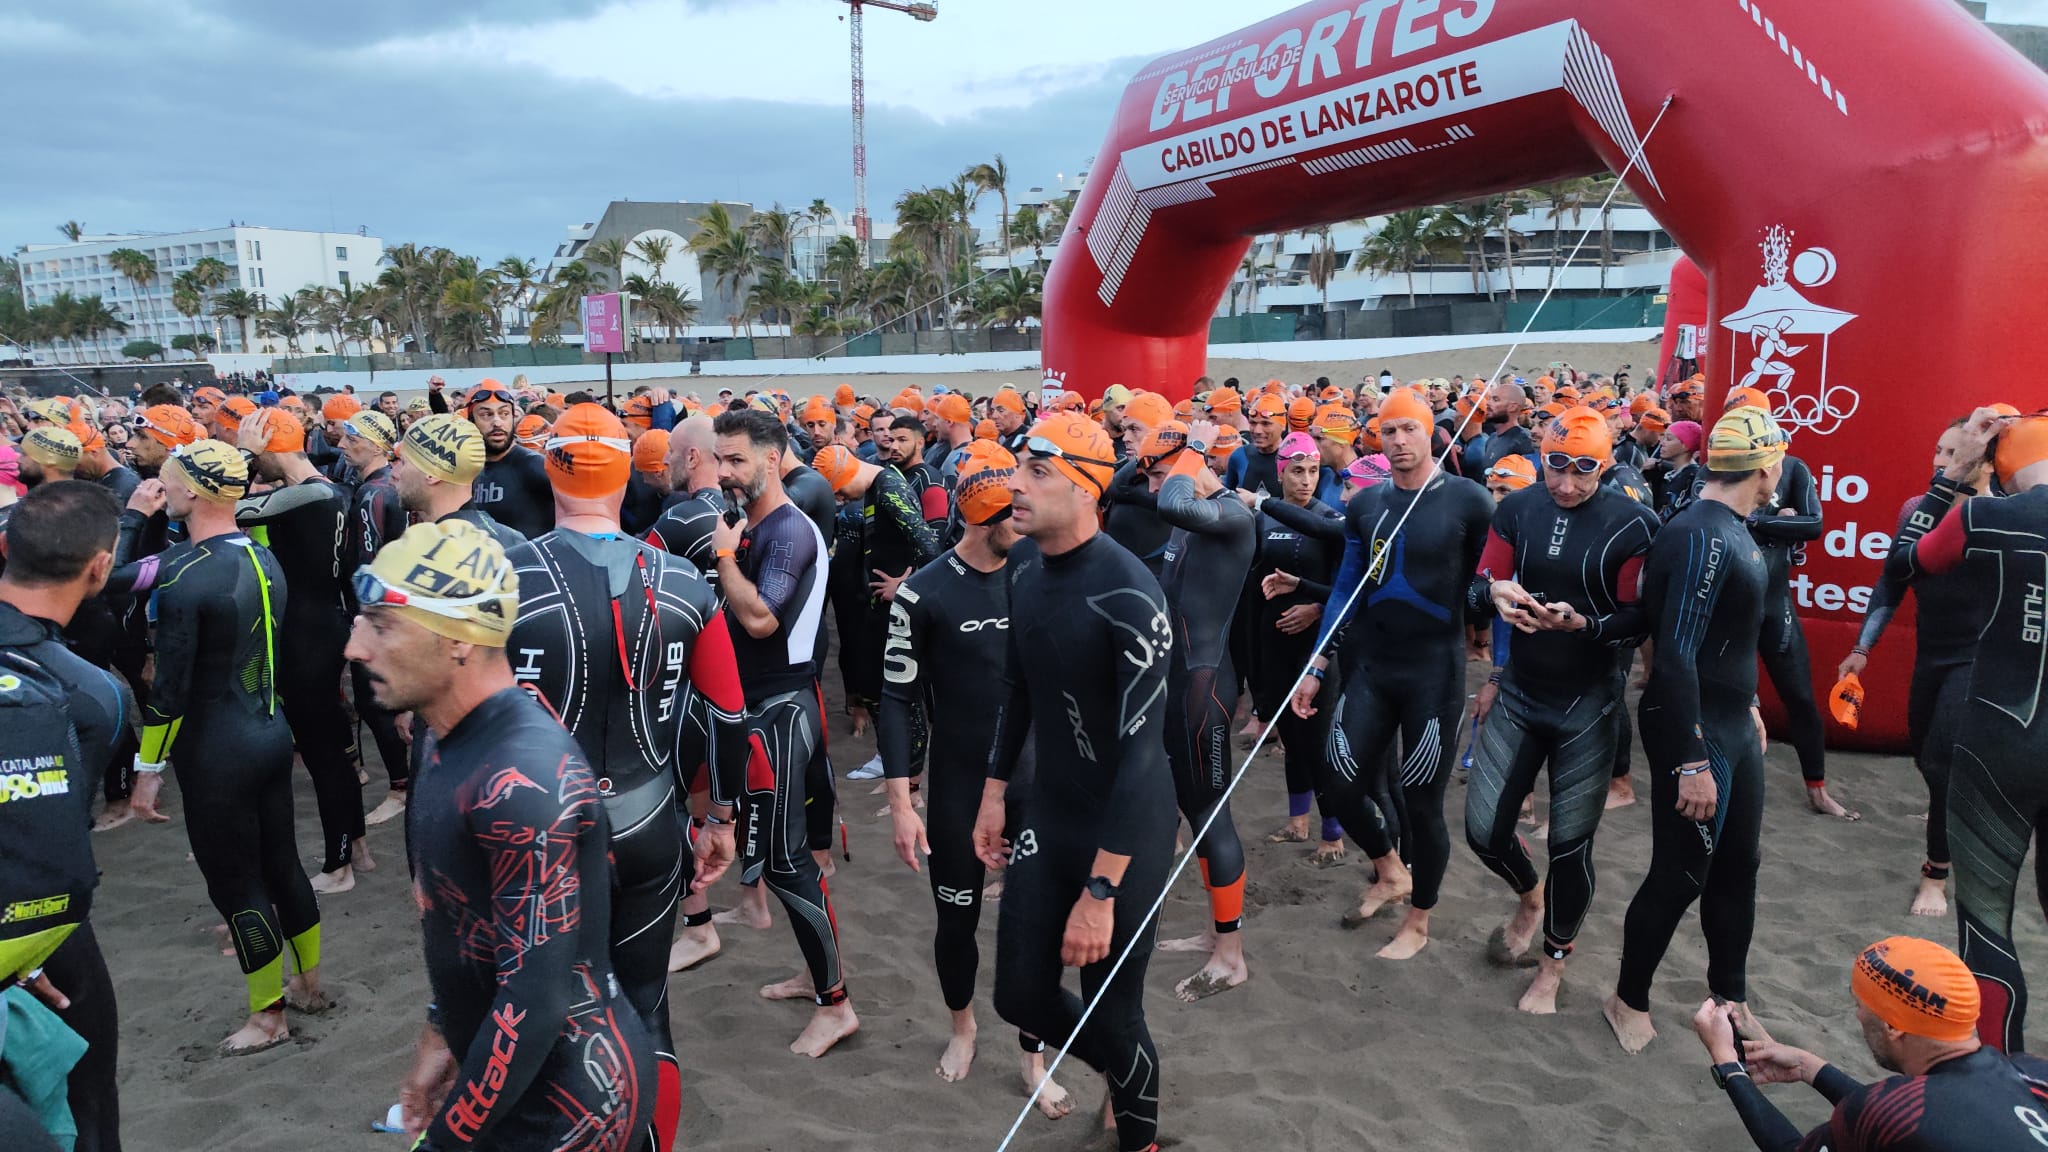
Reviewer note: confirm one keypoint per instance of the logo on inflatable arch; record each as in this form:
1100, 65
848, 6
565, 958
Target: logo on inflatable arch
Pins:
1050, 388
1794, 376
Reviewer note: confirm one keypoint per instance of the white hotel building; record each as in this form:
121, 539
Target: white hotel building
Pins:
271, 262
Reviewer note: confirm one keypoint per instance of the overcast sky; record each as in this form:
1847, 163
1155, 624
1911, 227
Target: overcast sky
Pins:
489, 125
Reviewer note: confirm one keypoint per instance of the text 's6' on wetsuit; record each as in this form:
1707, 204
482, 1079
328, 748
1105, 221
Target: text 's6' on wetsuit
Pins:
1085, 677
509, 841
1704, 588
1402, 654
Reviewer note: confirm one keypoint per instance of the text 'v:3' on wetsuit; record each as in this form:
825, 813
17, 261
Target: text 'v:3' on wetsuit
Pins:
612, 633
215, 711
1560, 691
1997, 792
1085, 679
1202, 572
508, 837
1402, 655
949, 628
1705, 590
1305, 542
306, 527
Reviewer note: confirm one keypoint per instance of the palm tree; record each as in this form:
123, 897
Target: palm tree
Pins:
608, 256
1501, 211
774, 231
655, 251
1253, 270
842, 261
1027, 228
72, 230
1008, 300
672, 306
287, 319
520, 277
1466, 226
996, 178
1558, 199
732, 260
1322, 262
190, 300
1403, 242
93, 319
136, 267
468, 321
241, 305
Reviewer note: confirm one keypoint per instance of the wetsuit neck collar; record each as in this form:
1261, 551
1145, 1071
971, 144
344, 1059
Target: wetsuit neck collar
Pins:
1071, 555
19, 629
489, 714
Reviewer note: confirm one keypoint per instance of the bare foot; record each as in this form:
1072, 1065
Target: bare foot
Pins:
1410, 940
860, 720
1632, 1028
1108, 1112
362, 775
1541, 998
1528, 809
694, 947
957, 1059
825, 864
302, 994
1206, 942
1620, 793
1295, 831
828, 1026
1218, 975
363, 860
992, 892
392, 807
1930, 899
1053, 1103
1819, 800
1509, 944
797, 987
751, 911
340, 880
262, 1030
1328, 854
1394, 884
115, 814
220, 933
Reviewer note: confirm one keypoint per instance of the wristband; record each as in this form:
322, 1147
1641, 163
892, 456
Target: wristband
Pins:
145, 768
1945, 487
1860, 650
716, 820
1315, 671
725, 553
1693, 771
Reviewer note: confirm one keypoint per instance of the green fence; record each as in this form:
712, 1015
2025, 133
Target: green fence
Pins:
1575, 314
535, 355
1254, 328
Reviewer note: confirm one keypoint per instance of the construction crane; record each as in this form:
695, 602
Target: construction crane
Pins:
921, 11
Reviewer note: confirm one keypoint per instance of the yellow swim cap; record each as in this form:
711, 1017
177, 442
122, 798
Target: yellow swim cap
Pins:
449, 577
373, 426
52, 447
1743, 439
448, 448
212, 469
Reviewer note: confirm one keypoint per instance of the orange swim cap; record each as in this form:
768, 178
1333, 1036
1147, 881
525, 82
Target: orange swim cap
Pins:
863, 416
1228, 441
168, 425
1162, 443
953, 408
1514, 472
340, 407
639, 412
239, 408
1918, 987
1404, 404
1224, 401
843, 396
1654, 419
282, 431
1007, 398
1300, 414
909, 398
982, 491
208, 395
531, 431
1845, 701
588, 456
837, 464
1149, 410
1579, 432
1267, 405
1336, 422
1369, 436
2024, 442
1746, 398
650, 451
986, 430
89, 438
1082, 450
1640, 403
555, 400
815, 410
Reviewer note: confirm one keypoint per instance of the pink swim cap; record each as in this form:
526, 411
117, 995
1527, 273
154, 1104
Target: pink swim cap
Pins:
1367, 471
10, 468
1297, 444
1688, 433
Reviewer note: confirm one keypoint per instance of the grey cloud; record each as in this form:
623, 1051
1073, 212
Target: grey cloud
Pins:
481, 157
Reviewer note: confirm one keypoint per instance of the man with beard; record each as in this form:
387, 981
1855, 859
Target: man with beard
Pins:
513, 487
903, 449
1256, 466
1506, 405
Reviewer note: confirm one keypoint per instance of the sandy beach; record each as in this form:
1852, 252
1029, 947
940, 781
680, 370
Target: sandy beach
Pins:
1326, 1047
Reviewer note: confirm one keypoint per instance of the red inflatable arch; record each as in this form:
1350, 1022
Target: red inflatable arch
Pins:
1685, 323
1863, 184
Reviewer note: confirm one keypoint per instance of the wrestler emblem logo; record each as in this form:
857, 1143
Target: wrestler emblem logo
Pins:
1793, 375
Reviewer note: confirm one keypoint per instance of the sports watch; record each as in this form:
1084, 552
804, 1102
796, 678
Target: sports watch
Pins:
1100, 888
1723, 1073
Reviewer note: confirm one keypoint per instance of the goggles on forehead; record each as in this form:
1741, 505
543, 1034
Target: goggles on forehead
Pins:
372, 592
618, 443
1044, 448
479, 397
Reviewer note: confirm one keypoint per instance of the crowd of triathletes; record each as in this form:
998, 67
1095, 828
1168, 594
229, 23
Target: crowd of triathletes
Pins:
1049, 610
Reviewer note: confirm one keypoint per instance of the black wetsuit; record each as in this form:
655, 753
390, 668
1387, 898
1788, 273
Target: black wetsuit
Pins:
515, 490
1560, 690
684, 528
1086, 678
1982, 1102
1253, 470
1203, 574
783, 557
1783, 530
896, 538
609, 628
947, 618
1997, 793
216, 712
376, 517
306, 526
47, 874
1402, 656
812, 494
1705, 591
642, 505
849, 595
509, 839
1307, 543
1952, 614
1131, 516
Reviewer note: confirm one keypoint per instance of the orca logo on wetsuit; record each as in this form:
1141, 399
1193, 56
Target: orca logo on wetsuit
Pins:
977, 625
